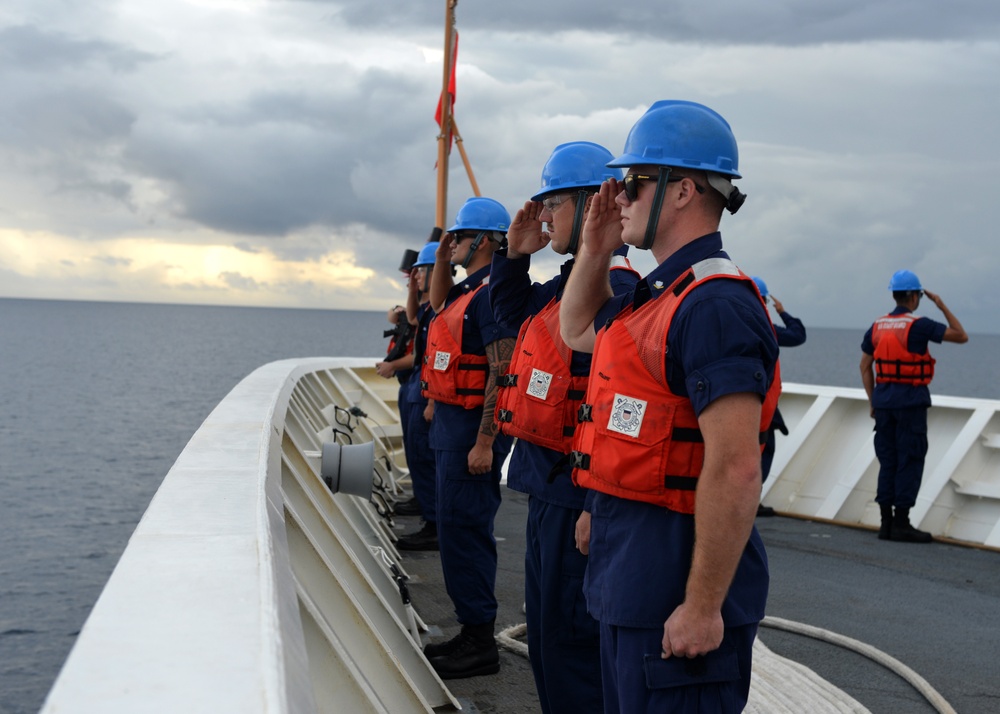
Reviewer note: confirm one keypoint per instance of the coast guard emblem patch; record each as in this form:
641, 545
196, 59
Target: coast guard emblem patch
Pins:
441, 360
626, 415
538, 385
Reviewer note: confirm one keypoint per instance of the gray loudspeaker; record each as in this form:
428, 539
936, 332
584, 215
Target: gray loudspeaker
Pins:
349, 468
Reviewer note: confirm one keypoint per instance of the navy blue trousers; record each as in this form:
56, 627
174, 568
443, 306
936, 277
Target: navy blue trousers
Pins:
638, 681
563, 639
403, 407
901, 446
466, 507
420, 461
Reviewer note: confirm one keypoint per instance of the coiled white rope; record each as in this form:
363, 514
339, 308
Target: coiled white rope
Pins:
779, 685
508, 639
932, 696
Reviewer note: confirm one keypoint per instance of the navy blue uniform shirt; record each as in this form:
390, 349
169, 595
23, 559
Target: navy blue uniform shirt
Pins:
792, 333
424, 316
720, 342
894, 395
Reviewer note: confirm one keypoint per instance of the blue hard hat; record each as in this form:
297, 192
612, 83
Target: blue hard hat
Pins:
426, 255
761, 286
681, 134
481, 214
575, 165
904, 280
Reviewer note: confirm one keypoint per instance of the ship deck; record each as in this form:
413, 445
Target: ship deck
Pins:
249, 586
935, 608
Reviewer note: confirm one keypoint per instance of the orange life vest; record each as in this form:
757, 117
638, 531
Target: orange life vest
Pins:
893, 360
637, 439
448, 375
538, 398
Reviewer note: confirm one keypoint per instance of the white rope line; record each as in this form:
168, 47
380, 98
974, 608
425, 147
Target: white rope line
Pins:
507, 639
933, 697
779, 685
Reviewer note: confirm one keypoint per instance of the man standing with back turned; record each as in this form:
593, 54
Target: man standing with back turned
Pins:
683, 385
896, 369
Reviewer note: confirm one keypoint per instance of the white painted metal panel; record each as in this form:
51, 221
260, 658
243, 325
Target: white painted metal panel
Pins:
826, 466
248, 587
231, 598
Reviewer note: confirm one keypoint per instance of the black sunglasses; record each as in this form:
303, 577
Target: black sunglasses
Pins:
631, 183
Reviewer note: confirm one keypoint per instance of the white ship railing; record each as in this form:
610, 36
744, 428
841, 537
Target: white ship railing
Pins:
248, 587
826, 466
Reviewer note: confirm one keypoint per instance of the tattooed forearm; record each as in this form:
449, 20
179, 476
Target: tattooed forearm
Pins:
498, 355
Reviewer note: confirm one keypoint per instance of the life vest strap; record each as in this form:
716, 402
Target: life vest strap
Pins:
680, 483
681, 286
883, 368
580, 460
507, 380
690, 435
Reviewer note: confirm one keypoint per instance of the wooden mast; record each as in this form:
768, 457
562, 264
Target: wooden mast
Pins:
444, 137
449, 128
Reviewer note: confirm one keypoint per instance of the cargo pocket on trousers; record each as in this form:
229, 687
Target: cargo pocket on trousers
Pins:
719, 667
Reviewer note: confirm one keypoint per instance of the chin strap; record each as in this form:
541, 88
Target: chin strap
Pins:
654, 212
578, 216
473, 247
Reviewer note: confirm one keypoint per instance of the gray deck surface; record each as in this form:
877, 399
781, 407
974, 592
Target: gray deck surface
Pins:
936, 608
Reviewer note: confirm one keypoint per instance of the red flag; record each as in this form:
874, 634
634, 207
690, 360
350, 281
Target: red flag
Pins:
451, 88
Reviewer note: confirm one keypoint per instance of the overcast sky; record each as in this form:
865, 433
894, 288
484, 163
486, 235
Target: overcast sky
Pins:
282, 153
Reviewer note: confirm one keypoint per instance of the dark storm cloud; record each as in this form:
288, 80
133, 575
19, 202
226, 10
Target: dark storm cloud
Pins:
281, 161
788, 22
68, 122
30, 49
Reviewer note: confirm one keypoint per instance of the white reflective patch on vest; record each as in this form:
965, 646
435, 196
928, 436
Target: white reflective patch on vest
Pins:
626, 415
538, 385
441, 361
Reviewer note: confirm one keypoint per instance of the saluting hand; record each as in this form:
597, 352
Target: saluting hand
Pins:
443, 251
525, 235
602, 232
934, 298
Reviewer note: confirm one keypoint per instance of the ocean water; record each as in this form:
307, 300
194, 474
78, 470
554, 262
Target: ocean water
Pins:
98, 399
96, 402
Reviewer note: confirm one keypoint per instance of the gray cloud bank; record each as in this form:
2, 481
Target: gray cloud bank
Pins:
868, 131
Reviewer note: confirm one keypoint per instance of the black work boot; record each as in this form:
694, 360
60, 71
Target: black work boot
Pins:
903, 531
474, 655
407, 508
424, 539
443, 649
885, 532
